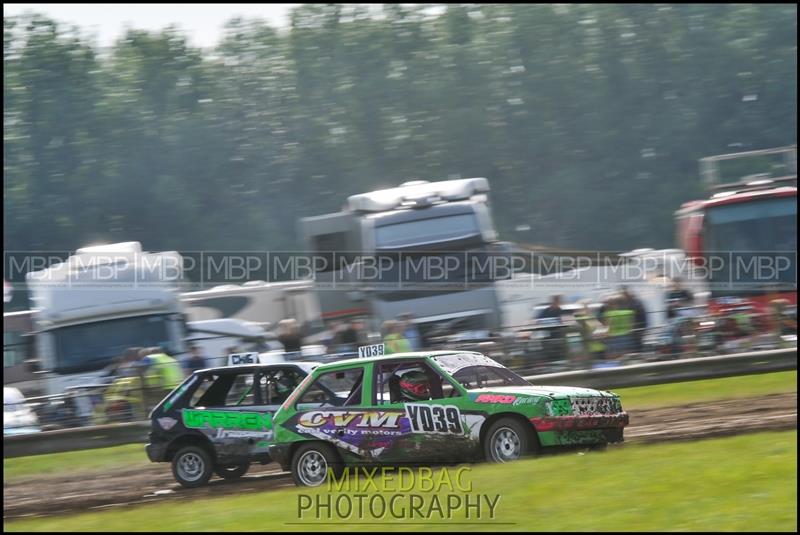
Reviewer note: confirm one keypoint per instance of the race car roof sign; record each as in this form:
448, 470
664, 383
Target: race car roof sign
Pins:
374, 350
239, 359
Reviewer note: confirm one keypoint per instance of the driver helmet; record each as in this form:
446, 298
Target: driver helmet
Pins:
415, 386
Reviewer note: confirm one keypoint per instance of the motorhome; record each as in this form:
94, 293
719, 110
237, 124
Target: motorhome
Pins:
17, 350
258, 302
591, 278
218, 337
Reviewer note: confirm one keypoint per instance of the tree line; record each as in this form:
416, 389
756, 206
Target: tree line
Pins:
588, 120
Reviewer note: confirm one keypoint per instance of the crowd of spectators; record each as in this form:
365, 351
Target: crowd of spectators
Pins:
582, 334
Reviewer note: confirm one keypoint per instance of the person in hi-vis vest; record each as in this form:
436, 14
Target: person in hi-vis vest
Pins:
619, 319
161, 374
394, 340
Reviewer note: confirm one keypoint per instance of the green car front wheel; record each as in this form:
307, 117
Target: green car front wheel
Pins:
507, 440
312, 462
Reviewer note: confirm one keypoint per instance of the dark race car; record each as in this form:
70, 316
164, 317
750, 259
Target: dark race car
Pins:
220, 419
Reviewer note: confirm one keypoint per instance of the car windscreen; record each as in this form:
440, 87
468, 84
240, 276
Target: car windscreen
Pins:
336, 388
437, 229
768, 225
473, 377
752, 247
92, 346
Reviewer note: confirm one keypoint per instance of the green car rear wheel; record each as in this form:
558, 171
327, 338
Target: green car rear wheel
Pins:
192, 466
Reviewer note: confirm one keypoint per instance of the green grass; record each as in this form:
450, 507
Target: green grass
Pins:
743, 483
707, 390
84, 461
131, 455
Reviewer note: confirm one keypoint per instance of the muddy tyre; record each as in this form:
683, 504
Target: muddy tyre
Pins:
192, 466
311, 462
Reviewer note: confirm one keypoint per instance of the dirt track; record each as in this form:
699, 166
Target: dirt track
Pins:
719, 418
55, 495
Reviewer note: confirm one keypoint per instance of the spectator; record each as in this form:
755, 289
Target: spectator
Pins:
362, 336
678, 297
123, 364
553, 310
161, 373
394, 339
730, 330
639, 318
196, 361
329, 337
346, 338
555, 345
591, 334
410, 331
619, 319
289, 335
123, 396
782, 319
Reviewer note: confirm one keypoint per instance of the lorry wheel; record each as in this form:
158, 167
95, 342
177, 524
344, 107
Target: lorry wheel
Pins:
507, 440
311, 462
192, 466
232, 471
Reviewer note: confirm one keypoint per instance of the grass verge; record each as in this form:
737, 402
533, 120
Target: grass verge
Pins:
744, 483
671, 394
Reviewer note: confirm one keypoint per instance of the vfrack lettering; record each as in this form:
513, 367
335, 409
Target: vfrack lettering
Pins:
495, 398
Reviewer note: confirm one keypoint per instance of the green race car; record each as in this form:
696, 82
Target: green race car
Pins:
431, 407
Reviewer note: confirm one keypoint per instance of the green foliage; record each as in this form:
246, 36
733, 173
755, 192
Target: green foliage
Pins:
587, 119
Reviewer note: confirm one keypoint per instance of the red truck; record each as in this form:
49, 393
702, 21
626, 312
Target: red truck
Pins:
743, 238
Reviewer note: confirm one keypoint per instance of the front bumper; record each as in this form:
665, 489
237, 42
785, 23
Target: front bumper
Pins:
580, 423
157, 453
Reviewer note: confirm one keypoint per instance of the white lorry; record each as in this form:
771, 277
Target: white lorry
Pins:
89, 309
408, 249
102, 300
